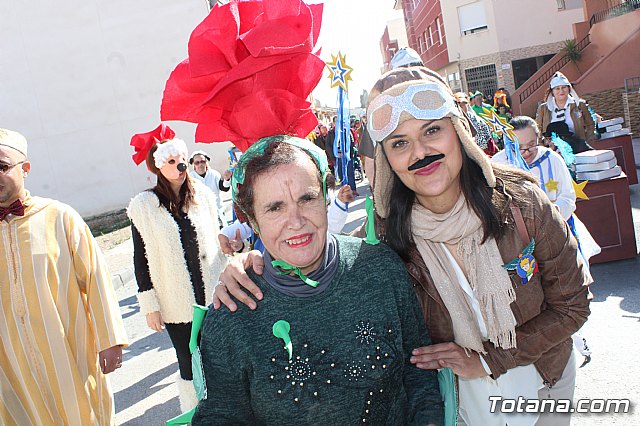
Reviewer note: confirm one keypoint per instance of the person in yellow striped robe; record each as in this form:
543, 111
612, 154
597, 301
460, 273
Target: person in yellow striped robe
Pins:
61, 330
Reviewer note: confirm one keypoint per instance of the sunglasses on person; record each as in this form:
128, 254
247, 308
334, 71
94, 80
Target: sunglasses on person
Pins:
4, 168
197, 163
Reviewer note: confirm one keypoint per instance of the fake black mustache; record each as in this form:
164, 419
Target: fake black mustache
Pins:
425, 161
181, 167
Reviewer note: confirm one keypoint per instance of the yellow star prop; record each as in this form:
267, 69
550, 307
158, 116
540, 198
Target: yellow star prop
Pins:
551, 185
579, 189
498, 124
339, 71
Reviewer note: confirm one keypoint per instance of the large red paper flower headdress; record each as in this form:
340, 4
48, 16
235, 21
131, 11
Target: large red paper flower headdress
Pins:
250, 70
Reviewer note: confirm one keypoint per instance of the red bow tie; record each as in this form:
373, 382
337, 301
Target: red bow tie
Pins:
16, 208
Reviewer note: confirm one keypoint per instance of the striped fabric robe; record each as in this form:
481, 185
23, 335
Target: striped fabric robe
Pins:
59, 311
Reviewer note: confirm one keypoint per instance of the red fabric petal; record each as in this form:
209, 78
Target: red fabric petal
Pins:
248, 60
213, 45
276, 9
316, 13
143, 142
249, 14
279, 112
289, 30
298, 73
184, 97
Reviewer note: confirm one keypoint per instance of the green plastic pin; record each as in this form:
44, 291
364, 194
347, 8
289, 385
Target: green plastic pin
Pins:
281, 330
371, 226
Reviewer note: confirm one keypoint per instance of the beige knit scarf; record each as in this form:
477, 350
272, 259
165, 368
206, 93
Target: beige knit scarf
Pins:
483, 263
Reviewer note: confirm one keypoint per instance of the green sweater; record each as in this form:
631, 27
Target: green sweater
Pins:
351, 350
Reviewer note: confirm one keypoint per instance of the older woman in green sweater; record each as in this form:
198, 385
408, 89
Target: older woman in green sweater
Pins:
332, 340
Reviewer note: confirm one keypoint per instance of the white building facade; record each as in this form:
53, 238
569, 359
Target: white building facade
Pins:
79, 78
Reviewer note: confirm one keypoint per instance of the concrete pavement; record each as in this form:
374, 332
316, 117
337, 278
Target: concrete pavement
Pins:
145, 392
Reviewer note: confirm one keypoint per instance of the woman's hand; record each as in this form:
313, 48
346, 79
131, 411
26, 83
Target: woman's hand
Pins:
449, 355
234, 281
154, 321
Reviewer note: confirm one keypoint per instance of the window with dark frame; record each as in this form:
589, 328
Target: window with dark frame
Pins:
483, 78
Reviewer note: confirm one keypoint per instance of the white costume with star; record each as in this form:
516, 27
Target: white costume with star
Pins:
555, 180
549, 168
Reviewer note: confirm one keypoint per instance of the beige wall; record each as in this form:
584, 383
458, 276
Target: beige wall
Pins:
512, 24
448, 69
532, 23
398, 31
463, 47
78, 78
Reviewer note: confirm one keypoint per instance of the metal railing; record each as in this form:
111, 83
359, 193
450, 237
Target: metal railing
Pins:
556, 66
612, 12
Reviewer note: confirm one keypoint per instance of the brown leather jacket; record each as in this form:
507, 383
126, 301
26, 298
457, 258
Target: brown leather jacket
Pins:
548, 309
582, 120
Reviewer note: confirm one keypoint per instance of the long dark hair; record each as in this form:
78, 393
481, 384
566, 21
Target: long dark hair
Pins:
176, 203
489, 204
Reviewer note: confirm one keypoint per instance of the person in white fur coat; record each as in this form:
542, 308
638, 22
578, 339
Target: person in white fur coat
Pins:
177, 257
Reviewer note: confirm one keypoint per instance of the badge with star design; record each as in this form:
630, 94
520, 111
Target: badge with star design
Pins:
339, 71
551, 185
525, 264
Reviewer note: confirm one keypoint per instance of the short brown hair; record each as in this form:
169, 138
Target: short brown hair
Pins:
276, 154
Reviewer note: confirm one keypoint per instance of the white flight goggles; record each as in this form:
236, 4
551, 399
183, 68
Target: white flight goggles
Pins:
424, 101
172, 148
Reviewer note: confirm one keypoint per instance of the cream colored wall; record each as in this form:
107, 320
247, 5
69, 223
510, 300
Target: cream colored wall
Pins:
512, 24
78, 78
532, 23
398, 31
472, 45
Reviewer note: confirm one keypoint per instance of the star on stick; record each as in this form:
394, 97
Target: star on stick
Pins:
579, 189
499, 125
339, 71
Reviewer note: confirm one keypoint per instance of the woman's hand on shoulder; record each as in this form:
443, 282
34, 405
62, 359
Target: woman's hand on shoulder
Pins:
235, 282
450, 355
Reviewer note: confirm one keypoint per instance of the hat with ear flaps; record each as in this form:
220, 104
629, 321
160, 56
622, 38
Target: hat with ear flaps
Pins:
416, 92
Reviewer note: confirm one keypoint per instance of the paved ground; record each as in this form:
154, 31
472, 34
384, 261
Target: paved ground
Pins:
145, 392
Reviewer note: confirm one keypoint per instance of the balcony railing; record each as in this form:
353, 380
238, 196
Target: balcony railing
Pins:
556, 66
612, 12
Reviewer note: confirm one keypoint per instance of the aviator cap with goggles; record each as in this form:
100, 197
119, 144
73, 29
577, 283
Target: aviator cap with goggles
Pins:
414, 93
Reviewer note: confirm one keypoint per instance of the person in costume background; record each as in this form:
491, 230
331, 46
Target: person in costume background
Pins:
350, 315
478, 104
212, 179
178, 215
61, 331
561, 104
457, 220
483, 135
545, 164
553, 175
